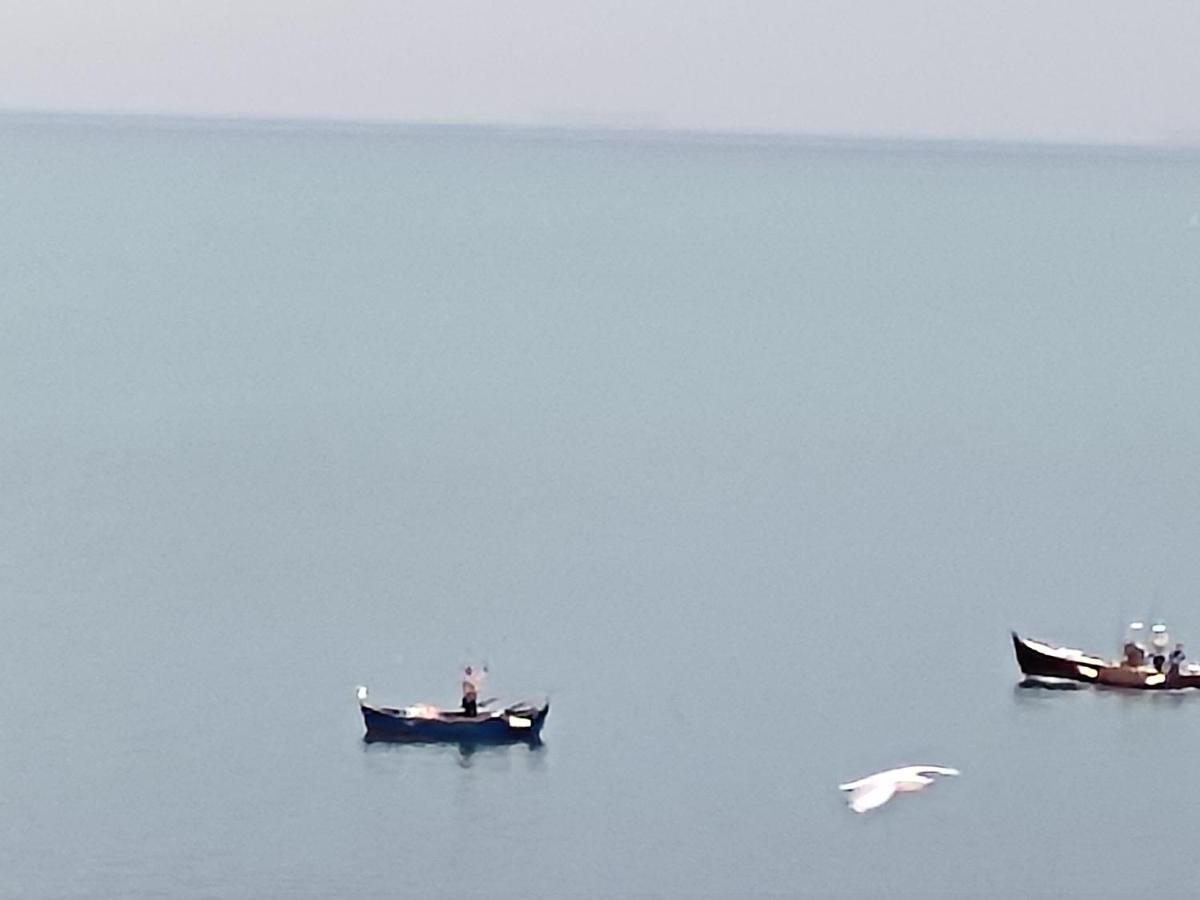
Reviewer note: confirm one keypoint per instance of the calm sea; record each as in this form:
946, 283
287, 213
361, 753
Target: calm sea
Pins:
749, 455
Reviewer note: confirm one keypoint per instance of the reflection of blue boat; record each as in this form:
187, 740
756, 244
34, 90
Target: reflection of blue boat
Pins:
519, 723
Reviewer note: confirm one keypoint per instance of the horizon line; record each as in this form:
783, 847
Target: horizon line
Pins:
1186, 145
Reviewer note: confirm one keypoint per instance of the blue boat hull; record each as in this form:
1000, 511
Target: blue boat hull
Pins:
384, 724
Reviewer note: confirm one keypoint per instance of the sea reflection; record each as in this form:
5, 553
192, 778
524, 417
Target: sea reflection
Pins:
465, 753
1039, 684
1160, 698
1032, 689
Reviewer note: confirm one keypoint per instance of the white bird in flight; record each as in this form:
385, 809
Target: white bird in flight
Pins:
876, 790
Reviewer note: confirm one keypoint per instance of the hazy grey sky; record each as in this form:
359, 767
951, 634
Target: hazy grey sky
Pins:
1104, 70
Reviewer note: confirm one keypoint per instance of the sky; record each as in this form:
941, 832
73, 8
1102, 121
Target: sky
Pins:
1067, 70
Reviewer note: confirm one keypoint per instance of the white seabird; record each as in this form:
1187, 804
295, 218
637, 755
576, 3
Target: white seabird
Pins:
876, 790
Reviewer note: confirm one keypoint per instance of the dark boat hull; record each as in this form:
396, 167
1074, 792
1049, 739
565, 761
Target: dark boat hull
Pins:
1038, 659
510, 727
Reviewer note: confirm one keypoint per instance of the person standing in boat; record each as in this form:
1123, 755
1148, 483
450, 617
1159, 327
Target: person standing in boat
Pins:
471, 683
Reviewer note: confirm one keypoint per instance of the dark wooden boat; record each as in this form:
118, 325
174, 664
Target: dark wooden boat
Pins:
1040, 660
518, 723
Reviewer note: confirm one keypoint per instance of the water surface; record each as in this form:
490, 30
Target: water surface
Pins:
750, 456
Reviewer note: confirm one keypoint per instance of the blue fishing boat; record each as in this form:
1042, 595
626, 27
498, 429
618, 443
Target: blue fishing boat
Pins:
517, 723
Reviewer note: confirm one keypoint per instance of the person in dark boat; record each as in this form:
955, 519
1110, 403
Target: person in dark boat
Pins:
472, 680
1176, 659
1134, 652
1134, 655
1159, 642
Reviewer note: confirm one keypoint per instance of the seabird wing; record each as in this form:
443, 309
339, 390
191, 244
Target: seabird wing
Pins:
886, 775
872, 794
934, 770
